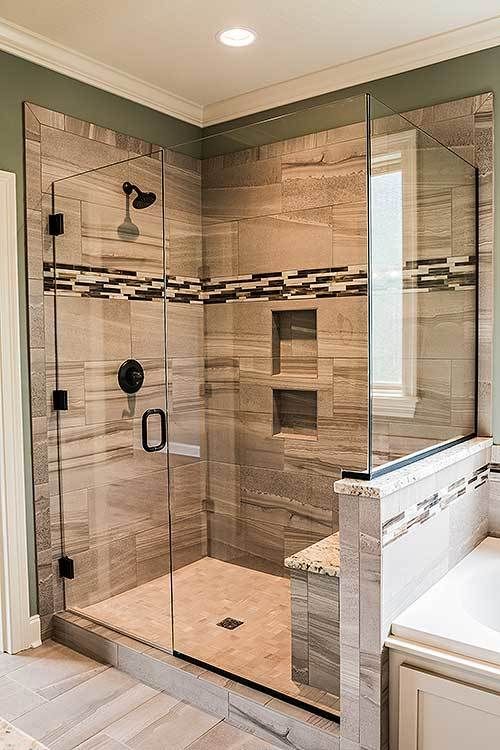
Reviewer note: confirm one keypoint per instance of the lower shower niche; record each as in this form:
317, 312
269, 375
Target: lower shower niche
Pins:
295, 414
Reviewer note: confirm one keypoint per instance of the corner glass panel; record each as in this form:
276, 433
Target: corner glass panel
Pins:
284, 405
423, 286
109, 468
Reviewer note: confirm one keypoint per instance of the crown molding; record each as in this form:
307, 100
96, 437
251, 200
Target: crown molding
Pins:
400, 59
42, 51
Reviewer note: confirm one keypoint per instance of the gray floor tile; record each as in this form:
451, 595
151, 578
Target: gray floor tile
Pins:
162, 723
230, 738
71, 702
88, 709
102, 742
16, 700
55, 667
11, 662
52, 691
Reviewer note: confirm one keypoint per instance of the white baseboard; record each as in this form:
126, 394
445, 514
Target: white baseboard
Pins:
35, 631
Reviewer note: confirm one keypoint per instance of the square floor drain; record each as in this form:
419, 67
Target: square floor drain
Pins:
230, 623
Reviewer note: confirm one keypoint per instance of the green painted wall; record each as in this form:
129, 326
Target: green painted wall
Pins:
453, 79
23, 81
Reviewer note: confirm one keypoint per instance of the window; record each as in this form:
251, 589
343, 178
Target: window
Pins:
393, 242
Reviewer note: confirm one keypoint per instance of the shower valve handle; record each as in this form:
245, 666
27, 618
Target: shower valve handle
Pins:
163, 426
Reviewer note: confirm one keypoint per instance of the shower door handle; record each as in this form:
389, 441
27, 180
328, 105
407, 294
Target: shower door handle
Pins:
163, 425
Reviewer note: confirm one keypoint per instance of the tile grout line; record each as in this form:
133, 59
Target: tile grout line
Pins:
221, 721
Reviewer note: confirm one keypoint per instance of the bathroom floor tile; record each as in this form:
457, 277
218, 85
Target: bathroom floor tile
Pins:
110, 711
16, 700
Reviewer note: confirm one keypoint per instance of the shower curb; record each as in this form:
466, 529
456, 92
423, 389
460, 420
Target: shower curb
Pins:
271, 719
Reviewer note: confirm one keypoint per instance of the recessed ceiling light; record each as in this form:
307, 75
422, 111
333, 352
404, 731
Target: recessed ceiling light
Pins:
237, 37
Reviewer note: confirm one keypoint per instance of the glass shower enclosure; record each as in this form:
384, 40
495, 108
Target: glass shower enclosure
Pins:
238, 322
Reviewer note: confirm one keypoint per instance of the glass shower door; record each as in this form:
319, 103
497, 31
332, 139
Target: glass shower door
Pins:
109, 460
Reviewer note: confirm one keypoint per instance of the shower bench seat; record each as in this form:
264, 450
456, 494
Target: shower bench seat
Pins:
315, 610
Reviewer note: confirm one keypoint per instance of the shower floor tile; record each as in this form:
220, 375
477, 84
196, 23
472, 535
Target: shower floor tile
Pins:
207, 592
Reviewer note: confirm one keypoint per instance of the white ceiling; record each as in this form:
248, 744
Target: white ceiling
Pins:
170, 44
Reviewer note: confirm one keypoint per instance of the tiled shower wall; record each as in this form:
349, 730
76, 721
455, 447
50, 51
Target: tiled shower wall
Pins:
277, 217
295, 210
262, 492
110, 308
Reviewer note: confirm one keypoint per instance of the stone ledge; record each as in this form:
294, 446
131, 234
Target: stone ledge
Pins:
322, 558
407, 475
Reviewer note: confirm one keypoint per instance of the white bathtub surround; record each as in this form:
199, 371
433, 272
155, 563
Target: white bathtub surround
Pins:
460, 613
383, 574
445, 654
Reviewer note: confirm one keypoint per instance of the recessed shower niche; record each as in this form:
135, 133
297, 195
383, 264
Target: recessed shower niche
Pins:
295, 343
295, 414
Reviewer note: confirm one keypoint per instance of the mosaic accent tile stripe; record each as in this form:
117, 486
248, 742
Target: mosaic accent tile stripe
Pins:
427, 275
417, 514
88, 281
345, 281
455, 272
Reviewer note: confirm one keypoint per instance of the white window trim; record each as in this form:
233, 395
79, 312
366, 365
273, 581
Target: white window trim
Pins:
389, 400
18, 630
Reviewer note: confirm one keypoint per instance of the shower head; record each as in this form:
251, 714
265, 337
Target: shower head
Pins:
142, 200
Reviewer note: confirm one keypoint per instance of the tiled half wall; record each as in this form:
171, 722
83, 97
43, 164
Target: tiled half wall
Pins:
398, 536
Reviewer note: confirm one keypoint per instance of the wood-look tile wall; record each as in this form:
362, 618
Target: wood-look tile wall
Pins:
114, 496
315, 628
278, 429
309, 193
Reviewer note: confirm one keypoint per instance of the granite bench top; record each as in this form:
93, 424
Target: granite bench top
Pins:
323, 557
12, 738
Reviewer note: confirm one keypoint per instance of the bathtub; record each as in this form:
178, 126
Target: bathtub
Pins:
461, 613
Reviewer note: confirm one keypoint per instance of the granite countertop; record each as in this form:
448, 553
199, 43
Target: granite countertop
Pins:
12, 738
323, 557
400, 478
